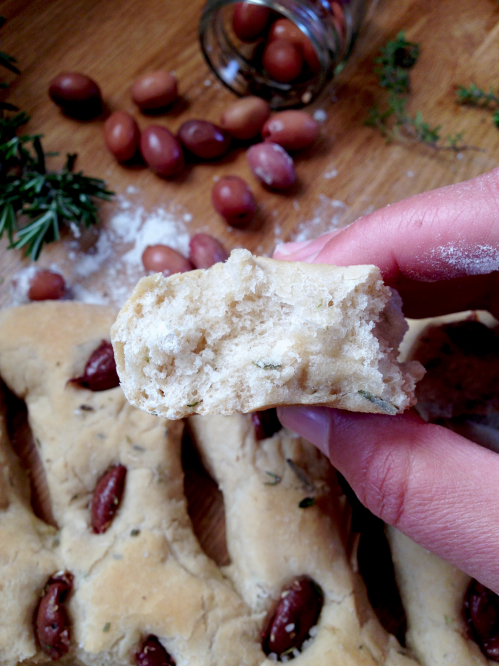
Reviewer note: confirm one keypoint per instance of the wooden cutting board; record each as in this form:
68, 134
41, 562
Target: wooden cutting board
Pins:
350, 170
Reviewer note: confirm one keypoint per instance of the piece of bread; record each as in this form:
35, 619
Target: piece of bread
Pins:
433, 593
147, 573
273, 537
461, 355
254, 333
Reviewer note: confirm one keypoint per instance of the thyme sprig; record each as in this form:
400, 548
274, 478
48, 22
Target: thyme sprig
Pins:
396, 57
393, 120
35, 202
475, 96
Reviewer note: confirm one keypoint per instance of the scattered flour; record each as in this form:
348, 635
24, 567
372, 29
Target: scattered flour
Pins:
320, 115
327, 216
117, 253
20, 285
332, 173
21, 282
104, 263
467, 260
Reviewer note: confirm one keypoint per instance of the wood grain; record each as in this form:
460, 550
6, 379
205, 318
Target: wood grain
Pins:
116, 41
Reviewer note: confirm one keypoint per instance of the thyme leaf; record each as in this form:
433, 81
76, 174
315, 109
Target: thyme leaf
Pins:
475, 96
306, 502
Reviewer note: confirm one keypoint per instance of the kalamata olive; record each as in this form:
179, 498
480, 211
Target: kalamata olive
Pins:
100, 370
339, 21
282, 61
203, 139
244, 119
51, 619
233, 199
265, 423
293, 130
152, 653
107, 498
481, 607
272, 165
288, 624
161, 151
249, 21
121, 134
310, 56
46, 285
206, 251
288, 31
77, 94
164, 259
154, 90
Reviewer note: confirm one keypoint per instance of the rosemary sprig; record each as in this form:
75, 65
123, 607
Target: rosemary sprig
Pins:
7, 61
35, 202
393, 120
475, 96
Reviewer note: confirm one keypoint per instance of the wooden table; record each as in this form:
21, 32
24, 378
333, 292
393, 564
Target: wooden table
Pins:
116, 41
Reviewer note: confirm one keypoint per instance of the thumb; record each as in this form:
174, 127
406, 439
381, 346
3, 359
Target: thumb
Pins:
437, 487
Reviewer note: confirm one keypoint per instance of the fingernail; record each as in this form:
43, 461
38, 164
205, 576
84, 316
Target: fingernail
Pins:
309, 259
290, 248
311, 423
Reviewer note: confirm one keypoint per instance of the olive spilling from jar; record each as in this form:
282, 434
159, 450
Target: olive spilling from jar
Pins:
481, 607
265, 423
51, 618
107, 498
152, 653
100, 370
288, 624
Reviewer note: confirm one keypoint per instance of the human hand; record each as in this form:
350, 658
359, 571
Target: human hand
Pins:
441, 251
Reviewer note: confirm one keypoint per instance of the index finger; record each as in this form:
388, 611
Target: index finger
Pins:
447, 234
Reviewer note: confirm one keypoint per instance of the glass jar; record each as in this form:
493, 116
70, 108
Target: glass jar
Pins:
331, 27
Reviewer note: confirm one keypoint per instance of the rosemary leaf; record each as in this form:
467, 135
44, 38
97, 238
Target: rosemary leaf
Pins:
267, 366
301, 474
379, 402
275, 479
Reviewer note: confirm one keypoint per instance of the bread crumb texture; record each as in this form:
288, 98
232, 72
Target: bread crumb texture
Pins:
253, 333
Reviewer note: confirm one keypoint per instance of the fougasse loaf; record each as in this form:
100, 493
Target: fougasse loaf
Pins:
254, 333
